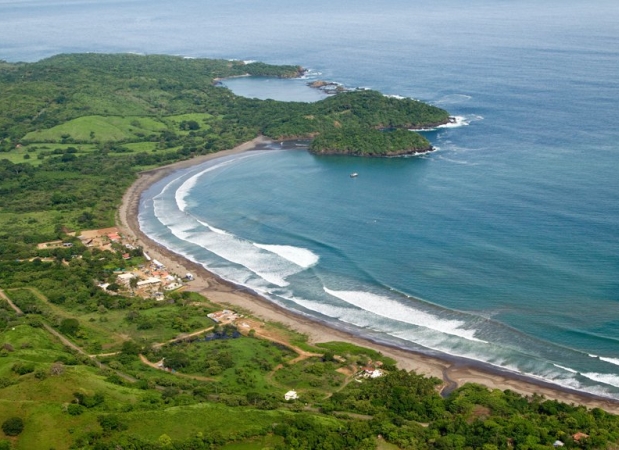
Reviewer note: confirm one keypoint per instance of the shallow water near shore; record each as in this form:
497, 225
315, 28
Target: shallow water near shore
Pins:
502, 246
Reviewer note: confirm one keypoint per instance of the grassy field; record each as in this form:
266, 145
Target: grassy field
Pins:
44, 221
239, 364
208, 418
201, 119
41, 398
99, 128
351, 351
90, 335
311, 374
152, 325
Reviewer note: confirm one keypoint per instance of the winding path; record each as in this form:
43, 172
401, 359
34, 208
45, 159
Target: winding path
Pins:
11, 304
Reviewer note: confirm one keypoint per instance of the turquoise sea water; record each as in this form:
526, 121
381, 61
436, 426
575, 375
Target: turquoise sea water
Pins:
501, 247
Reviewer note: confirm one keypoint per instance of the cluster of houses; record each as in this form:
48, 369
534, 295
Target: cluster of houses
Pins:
152, 278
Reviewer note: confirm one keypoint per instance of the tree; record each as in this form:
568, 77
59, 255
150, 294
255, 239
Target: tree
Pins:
111, 422
165, 440
69, 326
13, 426
131, 348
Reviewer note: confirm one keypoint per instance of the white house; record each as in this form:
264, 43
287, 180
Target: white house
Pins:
291, 395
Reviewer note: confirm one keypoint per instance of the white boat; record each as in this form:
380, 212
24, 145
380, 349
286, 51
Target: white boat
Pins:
354, 175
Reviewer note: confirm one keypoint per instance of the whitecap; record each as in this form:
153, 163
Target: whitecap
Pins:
614, 361
265, 264
565, 368
213, 229
302, 257
606, 378
391, 309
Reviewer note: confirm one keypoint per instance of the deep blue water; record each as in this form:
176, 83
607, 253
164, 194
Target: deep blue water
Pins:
502, 246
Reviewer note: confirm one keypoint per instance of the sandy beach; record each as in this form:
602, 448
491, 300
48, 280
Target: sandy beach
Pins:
454, 372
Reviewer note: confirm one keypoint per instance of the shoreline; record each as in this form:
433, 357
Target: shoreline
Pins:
453, 371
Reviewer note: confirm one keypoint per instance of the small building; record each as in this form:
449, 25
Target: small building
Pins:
371, 372
291, 395
172, 286
114, 237
149, 281
125, 278
558, 444
580, 436
224, 316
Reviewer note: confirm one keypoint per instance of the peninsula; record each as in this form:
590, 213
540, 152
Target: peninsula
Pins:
65, 99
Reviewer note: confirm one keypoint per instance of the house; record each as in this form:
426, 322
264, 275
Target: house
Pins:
149, 281
558, 444
580, 436
371, 372
172, 286
125, 278
291, 395
114, 237
224, 316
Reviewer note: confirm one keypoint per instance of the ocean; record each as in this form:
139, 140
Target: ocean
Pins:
500, 247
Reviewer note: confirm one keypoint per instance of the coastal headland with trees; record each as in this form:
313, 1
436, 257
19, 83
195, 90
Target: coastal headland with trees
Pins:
97, 353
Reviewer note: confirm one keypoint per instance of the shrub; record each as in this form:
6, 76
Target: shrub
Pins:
13, 426
75, 409
69, 326
111, 422
21, 368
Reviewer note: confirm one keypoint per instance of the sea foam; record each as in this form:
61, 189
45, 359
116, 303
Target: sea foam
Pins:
606, 378
300, 256
565, 368
614, 361
391, 309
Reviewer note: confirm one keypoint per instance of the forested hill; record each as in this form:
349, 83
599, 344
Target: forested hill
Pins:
46, 93
42, 95
75, 129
